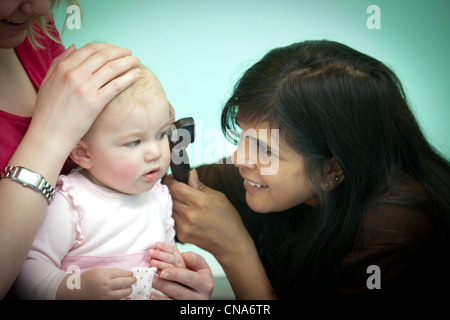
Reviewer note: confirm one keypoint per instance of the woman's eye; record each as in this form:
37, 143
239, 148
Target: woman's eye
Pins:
133, 143
264, 150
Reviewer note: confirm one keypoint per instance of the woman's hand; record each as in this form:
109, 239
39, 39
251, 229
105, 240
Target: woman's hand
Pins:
194, 282
206, 218
78, 85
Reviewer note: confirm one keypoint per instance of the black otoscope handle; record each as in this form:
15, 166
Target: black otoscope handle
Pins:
183, 133
181, 171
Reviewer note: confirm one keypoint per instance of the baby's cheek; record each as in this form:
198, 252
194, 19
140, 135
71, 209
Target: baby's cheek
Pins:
165, 162
126, 169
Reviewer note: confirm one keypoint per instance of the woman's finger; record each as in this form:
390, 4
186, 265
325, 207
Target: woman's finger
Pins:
63, 56
114, 69
188, 278
155, 296
179, 203
182, 192
87, 60
98, 57
174, 290
94, 55
195, 262
117, 85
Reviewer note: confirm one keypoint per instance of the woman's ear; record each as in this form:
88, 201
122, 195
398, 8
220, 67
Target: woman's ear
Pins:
333, 174
80, 155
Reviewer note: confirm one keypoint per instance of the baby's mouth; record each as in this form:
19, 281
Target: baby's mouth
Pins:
152, 174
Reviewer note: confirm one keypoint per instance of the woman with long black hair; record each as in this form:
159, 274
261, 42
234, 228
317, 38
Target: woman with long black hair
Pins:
359, 202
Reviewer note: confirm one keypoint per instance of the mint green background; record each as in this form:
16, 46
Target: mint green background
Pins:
198, 48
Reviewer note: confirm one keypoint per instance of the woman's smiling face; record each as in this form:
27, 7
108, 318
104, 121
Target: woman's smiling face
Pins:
15, 19
274, 173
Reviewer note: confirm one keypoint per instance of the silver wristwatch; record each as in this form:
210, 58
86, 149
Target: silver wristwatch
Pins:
29, 179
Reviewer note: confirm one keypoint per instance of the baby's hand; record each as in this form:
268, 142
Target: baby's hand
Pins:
99, 283
166, 256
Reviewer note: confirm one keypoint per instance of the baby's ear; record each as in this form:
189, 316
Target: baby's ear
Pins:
80, 155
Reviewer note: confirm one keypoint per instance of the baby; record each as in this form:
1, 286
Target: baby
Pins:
95, 239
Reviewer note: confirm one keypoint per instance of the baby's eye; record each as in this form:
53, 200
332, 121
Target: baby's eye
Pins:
133, 143
162, 135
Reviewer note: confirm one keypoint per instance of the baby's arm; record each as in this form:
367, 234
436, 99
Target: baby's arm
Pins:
166, 256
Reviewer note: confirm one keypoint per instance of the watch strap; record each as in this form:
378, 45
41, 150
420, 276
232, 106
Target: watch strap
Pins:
30, 179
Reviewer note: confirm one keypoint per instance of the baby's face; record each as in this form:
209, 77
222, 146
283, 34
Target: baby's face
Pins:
129, 147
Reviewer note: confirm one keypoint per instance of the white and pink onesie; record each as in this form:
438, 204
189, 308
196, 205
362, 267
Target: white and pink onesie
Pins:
88, 226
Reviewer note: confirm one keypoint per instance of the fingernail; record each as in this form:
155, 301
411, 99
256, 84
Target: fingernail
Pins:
164, 275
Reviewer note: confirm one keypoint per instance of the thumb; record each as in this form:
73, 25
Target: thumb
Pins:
194, 261
194, 181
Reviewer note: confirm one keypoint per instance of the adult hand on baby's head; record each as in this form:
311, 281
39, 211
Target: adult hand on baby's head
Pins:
78, 85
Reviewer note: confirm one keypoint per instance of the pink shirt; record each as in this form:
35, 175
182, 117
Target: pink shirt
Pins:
36, 63
88, 226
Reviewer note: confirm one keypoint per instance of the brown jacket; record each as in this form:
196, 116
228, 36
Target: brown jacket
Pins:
396, 252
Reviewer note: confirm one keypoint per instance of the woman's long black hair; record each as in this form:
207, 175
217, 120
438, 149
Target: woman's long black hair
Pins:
329, 100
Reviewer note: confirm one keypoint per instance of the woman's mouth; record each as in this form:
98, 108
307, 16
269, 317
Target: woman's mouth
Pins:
253, 187
16, 25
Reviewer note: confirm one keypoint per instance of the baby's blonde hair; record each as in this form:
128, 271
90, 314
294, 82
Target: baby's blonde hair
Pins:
147, 82
138, 94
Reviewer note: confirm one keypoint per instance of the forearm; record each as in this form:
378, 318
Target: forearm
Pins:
246, 274
22, 209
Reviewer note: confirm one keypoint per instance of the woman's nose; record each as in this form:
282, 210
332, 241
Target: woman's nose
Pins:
245, 156
35, 7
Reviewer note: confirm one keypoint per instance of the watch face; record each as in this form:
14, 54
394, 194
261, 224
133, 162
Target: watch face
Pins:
28, 177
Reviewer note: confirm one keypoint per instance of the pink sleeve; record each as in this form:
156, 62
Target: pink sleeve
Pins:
40, 276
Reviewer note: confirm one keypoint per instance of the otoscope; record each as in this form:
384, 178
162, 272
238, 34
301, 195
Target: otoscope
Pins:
182, 134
